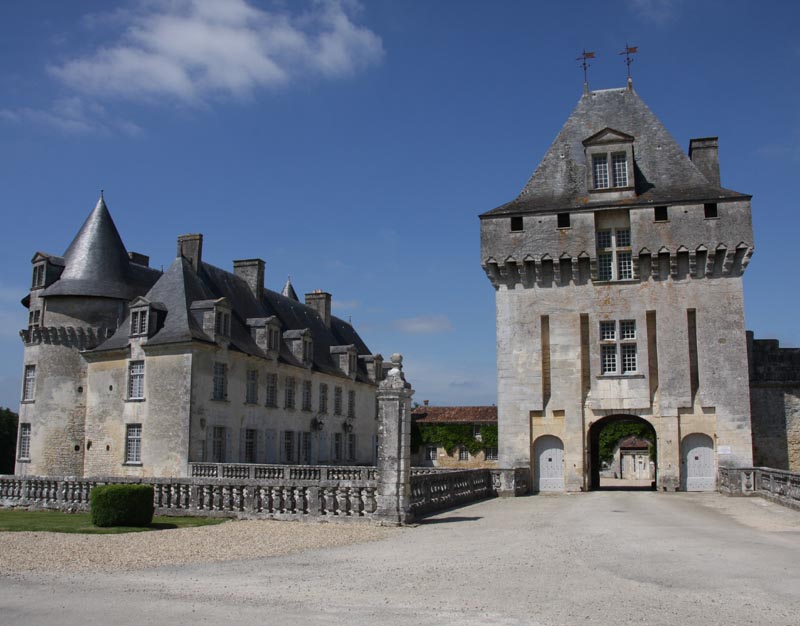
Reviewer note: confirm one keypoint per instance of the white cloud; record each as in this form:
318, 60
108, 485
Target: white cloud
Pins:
72, 115
656, 11
423, 325
345, 305
192, 50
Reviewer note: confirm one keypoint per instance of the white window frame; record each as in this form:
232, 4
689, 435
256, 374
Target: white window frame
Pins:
490, 454
600, 174
351, 403
272, 390
250, 445
251, 388
307, 395
135, 380
133, 444
431, 453
614, 254
337, 400
351, 447
323, 398
24, 442
29, 383
288, 446
289, 392
619, 174
219, 389
618, 347
140, 319
463, 453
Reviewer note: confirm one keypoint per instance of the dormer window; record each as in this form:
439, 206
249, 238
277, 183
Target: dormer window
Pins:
610, 153
273, 338
619, 170
222, 323
308, 350
139, 322
353, 364
38, 276
34, 318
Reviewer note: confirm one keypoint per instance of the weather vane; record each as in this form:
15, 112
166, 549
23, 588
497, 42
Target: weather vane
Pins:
629, 50
583, 59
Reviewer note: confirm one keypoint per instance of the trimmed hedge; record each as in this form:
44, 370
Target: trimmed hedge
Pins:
121, 505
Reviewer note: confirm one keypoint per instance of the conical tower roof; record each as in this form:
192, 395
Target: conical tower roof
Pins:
288, 291
96, 263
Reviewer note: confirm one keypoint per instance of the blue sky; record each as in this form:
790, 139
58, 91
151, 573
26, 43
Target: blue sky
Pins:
353, 145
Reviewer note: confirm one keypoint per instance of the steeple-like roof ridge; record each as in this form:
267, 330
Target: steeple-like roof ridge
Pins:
96, 263
663, 171
288, 291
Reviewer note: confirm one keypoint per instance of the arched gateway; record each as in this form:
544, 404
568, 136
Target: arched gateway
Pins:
593, 441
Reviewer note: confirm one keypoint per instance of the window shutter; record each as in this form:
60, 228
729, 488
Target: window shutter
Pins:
271, 453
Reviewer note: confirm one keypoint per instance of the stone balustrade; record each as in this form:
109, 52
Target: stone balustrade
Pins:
433, 491
281, 472
292, 498
777, 485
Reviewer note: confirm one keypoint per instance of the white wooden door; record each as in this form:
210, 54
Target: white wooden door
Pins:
698, 463
548, 453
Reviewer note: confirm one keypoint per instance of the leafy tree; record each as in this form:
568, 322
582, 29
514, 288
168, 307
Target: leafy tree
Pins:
452, 436
613, 433
8, 440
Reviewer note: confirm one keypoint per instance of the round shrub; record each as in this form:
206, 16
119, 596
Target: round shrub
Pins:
121, 505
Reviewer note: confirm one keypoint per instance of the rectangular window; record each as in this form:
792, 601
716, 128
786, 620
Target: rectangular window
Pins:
323, 398
600, 170
251, 391
305, 448
623, 236
272, 338
337, 400
29, 384
603, 239
337, 447
24, 445
660, 214
250, 436
430, 453
477, 433
288, 446
133, 443
516, 224
710, 210
34, 317
38, 276
618, 347
608, 331
272, 390
620, 163
628, 351
605, 266
289, 393
222, 323
218, 445
351, 447
563, 220
220, 388
490, 454
308, 351
608, 359
463, 454
627, 329
306, 395
351, 403
136, 380
624, 266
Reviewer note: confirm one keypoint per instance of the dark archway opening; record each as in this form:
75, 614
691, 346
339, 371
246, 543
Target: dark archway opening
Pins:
607, 458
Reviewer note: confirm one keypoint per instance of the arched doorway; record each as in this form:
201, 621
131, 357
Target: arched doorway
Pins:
697, 463
604, 434
548, 469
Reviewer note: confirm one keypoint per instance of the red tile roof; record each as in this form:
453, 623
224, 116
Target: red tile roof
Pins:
634, 442
455, 414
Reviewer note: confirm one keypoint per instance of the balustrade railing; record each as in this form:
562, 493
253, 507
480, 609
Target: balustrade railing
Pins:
281, 472
777, 485
433, 491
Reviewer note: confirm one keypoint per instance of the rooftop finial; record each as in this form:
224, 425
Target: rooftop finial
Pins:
629, 50
584, 63
101, 195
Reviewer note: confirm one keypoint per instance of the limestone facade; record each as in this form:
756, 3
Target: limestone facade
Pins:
133, 372
618, 277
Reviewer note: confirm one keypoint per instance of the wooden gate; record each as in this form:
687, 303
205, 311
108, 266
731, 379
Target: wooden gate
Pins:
548, 471
697, 461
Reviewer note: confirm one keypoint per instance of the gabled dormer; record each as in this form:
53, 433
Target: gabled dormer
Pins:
610, 165
145, 317
46, 270
301, 344
215, 317
374, 366
346, 359
266, 332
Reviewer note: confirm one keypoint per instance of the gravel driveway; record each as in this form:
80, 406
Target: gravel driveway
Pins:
598, 558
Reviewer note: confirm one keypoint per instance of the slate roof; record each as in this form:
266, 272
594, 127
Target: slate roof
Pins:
634, 443
663, 174
455, 414
180, 286
97, 264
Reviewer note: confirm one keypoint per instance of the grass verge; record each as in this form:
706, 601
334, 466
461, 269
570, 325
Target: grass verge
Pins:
14, 520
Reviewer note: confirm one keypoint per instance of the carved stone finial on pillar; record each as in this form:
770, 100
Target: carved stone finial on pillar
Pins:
394, 446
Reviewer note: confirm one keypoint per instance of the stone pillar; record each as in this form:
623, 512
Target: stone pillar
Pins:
394, 446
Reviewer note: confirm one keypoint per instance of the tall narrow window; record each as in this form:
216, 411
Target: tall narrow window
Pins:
250, 445
139, 322
24, 446
289, 393
272, 390
600, 171
323, 398
351, 447
251, 391
218, 445
38, 276
618, 354
306, 395
133, 443
351, 403
337, 447
463, 454
288, 446
29, 384
620, 163
305, 448
337, 400
220, 388
614, 256
136, 380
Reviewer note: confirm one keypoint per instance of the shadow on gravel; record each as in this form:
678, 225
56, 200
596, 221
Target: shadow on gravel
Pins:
447, 520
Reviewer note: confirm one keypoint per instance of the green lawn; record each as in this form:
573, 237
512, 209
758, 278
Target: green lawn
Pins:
56, 522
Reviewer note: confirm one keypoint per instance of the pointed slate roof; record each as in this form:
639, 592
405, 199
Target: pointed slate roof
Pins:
663, 174
288, 291
96, 263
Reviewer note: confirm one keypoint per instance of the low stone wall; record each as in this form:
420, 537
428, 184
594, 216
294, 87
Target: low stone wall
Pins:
295, 499
434, 491
281, 472
776, 485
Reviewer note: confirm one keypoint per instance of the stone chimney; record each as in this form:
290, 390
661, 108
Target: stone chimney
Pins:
704, 153
139, 259
190, 247
320, 301
252, 272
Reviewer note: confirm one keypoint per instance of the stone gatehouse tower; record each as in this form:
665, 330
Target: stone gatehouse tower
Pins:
618, 277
